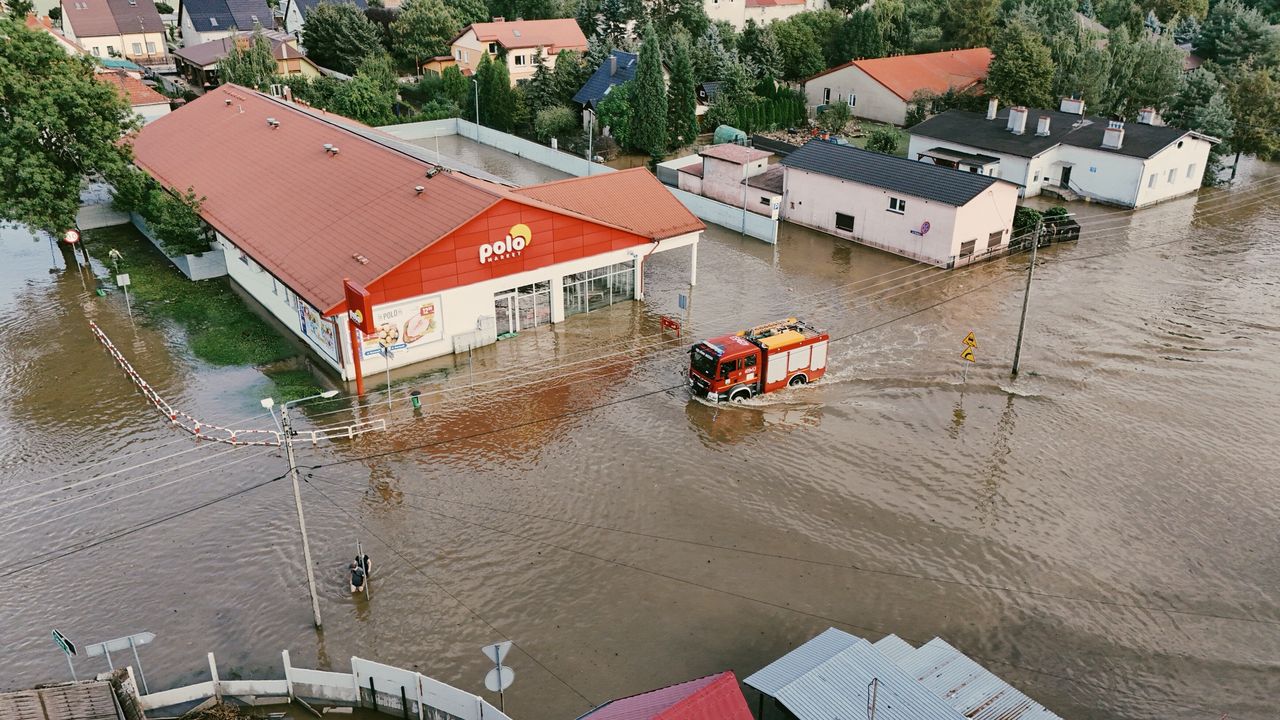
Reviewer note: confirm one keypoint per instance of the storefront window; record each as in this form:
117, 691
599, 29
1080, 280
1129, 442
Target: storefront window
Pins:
522, 308
598, 288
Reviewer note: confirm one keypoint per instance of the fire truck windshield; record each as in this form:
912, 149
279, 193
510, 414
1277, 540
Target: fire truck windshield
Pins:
703, 362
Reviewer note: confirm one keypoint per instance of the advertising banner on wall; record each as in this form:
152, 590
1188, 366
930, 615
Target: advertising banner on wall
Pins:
320, 329
405, 325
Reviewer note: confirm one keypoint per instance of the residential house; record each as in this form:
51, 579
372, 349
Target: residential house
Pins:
200, 21
734, 175
43, 24
296, 11
838, 675
199, 63
738, 12
144, 99
715, 697
618, 68
129, 29
518, 42
300, 201
929, 213
438, 64
1069, 153
883, 89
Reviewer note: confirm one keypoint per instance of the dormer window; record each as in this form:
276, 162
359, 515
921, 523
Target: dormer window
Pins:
213, 22
493, 48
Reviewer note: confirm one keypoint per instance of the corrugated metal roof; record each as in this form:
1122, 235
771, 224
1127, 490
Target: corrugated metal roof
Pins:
790, 667
967, 686
918, 179
893, 647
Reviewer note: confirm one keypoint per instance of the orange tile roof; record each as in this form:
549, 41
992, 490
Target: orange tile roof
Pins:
632, 200
137, 92
555, 35
937, 72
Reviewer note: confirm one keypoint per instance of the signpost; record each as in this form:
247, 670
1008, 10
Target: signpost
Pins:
68, 648
129, 642
360, 320
387, 355
122, 280
970, 344
499, 678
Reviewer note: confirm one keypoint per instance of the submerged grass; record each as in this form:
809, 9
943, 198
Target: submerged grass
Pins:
221, 330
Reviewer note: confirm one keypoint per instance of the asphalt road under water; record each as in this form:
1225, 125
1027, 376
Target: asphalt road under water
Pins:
1099, 531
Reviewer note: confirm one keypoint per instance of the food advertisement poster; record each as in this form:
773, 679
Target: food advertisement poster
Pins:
405, 325
321, 330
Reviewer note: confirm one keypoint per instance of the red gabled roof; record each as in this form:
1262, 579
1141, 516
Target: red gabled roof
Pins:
904, 75
715, 697
302, 213
134, 90
632, 200
555, 35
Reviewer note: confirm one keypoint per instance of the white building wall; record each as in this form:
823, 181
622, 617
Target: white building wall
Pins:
1015, 169
736, 12
151, 113
991, 211
1187, 165
293, 20
873, 101
813, 200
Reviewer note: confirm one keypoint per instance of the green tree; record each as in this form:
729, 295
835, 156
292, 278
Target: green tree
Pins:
1201, 104
801, 51
885, 140
1157, 73
1022, 71
497, 101
251, 65
1167, 10
834, 117
614, 114
369, 96
1254, 97
540, 91
969, 23
1233, 34
466, 12
554, 121
863, 36
669, 16
682, 98
175, 221
570, 75
896, 26
1082, 68
1122, 13
761, 51
422, 31
338, 36
711, 59
649, 96
57, 124
20, 9
454, 86
162, 7
827, 27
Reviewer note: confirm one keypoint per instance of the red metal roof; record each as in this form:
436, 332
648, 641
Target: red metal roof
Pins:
632, 200
715, 697
937, 72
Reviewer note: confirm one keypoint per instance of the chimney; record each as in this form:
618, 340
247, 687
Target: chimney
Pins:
1147, 116
1042, 126
499, 19
613, 64
1074, 106
993, 105
1113, 136
1017, 120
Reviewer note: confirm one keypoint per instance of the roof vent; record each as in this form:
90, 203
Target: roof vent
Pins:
274, 123
328, 147
360, 258
227, 102
333, 150
516, 32
435, 170
418, 189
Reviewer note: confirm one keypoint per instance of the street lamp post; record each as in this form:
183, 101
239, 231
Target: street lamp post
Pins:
476, 83
287, 431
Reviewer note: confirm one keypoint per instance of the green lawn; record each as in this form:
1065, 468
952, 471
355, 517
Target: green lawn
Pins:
220, 328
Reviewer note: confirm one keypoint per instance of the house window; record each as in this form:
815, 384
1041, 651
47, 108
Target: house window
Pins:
519, 60
97, 51
493, 48
137, 48
1036, 178
1191, 171
764, 201
966, 247
1173, 175
853, 99
111, 50
826, 96
995, 239
844, 222
1151, 181
151, 48
897, 205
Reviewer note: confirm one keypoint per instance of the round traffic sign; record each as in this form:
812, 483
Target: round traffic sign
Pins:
71, 237
499, 678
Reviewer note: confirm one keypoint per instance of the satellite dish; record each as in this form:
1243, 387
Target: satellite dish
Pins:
499, 679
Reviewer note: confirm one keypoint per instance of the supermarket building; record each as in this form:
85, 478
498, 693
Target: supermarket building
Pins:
301, 201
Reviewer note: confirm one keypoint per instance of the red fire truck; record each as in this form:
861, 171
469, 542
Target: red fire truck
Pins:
759, 360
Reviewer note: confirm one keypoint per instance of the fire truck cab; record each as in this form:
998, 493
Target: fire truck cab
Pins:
763, 359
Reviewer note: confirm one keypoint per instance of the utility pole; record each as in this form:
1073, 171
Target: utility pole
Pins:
476, 83
1026, 295
287, 431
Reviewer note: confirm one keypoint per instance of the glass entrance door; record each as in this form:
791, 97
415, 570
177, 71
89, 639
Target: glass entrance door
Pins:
504, 307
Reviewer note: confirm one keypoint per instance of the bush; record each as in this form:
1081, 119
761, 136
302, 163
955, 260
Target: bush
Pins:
834, 117
553, 122
885, 140
1024, 220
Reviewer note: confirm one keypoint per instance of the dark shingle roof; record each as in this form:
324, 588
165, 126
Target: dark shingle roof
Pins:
219, 15
975, 130
306, 6
138, 16
600, 81
918, 179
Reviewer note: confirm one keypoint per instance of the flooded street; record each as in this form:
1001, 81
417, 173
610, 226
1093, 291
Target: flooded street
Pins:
1100, 532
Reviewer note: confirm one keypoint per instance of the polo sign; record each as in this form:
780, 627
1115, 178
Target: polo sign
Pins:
517, 239
360, 307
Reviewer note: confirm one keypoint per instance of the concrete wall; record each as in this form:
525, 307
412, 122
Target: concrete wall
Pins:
91, 217
757, 226
873, 100
210, 264
559, 160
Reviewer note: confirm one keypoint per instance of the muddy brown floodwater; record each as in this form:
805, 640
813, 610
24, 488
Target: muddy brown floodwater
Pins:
1100, 531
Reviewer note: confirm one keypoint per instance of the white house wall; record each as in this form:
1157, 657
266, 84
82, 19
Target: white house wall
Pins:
1015, 169
873, 102
991, 211
293, 20
1193, 154
736, 12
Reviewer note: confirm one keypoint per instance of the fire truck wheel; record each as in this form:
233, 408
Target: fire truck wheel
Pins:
740, 395
798, 380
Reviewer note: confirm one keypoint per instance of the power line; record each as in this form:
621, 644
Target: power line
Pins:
452, 596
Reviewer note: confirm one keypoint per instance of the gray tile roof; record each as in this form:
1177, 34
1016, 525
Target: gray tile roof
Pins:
918, 179
220, 15
976, 131
601, 80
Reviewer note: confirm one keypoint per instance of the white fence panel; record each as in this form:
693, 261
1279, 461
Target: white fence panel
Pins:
177, 696
757, 226
450, 699
255, 687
